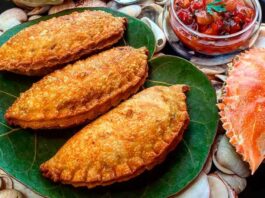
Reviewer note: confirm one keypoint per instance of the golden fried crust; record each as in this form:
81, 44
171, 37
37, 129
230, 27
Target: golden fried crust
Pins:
81, 91
42, 48
131, 138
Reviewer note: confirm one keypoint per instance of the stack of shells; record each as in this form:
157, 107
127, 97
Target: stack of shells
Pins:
228, 178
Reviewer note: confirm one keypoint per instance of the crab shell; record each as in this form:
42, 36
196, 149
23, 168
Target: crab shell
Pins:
242, 110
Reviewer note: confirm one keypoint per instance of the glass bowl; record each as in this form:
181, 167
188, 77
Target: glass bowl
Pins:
216, 45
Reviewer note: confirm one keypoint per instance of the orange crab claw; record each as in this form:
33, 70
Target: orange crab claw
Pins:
242, 110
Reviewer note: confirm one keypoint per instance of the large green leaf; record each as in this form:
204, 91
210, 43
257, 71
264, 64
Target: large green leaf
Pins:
138, 34
22, 151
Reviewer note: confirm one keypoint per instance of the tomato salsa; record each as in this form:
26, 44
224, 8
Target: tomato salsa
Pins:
213, 18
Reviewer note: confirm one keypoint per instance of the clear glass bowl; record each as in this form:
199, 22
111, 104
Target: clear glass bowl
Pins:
216, 45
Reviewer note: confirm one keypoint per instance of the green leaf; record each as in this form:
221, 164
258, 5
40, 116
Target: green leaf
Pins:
22, 151
216, 5
138, 34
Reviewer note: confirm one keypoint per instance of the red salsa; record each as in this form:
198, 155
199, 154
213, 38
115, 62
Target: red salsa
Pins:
214, 17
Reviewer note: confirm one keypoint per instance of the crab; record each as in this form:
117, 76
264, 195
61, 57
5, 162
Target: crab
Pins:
242, 109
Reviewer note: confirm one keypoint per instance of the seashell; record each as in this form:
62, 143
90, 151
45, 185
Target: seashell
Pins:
126, 2
161, 2
34, 17
1, 183
158, 54
6, 24
16, 13
160, 20
36, 3
39, 10
90, 3
158, 33
198, 188
68, 4
217, 187
11, 193
113, 5
221, 77
131, 10
230, 191
152, 12
238, 184
260, 42
7, 182
208, 165
227, 160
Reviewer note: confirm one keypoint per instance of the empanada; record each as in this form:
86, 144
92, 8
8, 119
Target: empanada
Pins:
81, 91
46, 46
123, 143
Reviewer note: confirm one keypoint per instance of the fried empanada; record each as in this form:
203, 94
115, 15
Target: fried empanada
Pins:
81, 91
48, 45
123, 143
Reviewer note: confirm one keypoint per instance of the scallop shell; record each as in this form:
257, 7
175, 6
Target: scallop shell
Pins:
158, 33
10, 193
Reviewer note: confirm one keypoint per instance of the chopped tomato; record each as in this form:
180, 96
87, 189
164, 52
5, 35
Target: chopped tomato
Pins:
215, 17
185, 16
203, 18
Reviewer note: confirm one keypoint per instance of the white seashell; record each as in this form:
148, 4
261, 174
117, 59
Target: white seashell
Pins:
217, 187
131, 10
16, 13
6, 24
39, 10
126, 2
36, 3
114, 5
34, 17
227, 160
68, 4
158, 33
91, 3
198, 188
208, 165
238, 184
260, 42
161, 2
160, 20
10, 193
152, 12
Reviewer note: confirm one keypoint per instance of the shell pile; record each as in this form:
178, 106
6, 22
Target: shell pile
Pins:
224, 174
